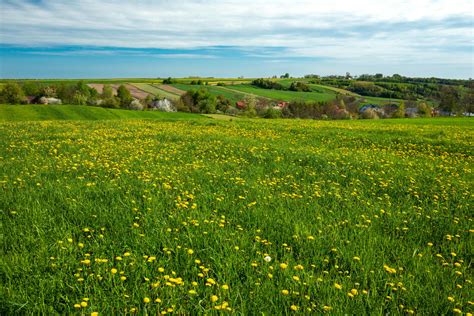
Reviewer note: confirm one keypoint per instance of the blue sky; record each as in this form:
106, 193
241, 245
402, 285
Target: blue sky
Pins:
229, 38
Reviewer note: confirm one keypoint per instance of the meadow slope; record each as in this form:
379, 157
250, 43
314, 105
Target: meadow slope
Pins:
244, 216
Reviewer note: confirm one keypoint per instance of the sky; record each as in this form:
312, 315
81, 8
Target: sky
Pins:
231, 38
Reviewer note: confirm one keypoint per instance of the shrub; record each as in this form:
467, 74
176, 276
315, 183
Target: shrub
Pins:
299, 87
370, 114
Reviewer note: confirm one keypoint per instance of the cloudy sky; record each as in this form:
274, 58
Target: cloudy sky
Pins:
144, 38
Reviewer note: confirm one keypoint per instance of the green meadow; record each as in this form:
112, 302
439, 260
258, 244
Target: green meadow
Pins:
109, 212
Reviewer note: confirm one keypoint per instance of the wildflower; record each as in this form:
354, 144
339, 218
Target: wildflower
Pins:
190, 251
113, 270
299, 267
294, 308
192, 292
356, 259
95, 314
77, 305
337, 286
285, 292
214, 298
283, 266
225, 287
83, 304
327, 308
267, 258
157, 300
123, 278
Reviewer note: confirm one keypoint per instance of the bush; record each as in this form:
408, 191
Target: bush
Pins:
272, 113
199, 101
12, 93
370, 114
424, 110
299, 87
267, 84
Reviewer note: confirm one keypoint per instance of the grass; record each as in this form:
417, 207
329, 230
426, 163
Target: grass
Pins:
381, 101
80, 112
285, 95
231, 95
247, 216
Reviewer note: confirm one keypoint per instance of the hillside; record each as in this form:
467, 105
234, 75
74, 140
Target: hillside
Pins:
80, 112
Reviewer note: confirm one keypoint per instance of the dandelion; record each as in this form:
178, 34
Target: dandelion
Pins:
267, 258
214, 298
285, 292
294, 308
113, 271
337, 286
283, 266
83, 304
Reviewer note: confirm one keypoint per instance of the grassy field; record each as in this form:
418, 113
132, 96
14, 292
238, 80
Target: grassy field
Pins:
381, 101
80, 112
285, 95
246, 216
232, 95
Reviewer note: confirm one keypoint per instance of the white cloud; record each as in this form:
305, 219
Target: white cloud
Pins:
366, 29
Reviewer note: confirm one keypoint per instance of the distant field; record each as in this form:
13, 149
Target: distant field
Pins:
375, 100
285, 95
152, 89
226, 91
170, 89
80, 112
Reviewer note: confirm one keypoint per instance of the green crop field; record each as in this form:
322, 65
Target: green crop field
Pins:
201, 216
226, 91
283, 95
80, 112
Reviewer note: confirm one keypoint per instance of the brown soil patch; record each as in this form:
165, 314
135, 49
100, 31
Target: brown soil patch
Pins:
171, 89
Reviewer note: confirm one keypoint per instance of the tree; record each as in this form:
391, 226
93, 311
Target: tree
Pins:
222, 103
107, 92
79, 98
400, 112
424, 109
449, 98
12, 93
198, 101
250, 106
124, 96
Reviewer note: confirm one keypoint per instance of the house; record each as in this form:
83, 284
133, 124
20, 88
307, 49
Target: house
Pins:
411, 112
30, 99
46, 100
240, 105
